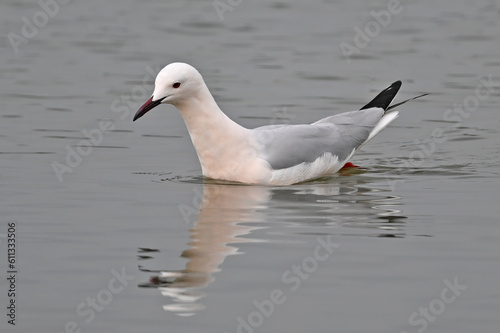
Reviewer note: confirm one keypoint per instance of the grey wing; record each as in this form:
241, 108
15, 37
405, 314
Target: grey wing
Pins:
284, 146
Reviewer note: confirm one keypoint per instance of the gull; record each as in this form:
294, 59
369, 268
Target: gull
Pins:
269, 155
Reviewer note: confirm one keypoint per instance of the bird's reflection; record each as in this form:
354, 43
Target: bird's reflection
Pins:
229, 213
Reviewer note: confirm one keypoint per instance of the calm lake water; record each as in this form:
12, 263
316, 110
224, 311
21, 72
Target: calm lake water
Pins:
121, 233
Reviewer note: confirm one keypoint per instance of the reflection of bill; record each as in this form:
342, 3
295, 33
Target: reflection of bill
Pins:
223, 208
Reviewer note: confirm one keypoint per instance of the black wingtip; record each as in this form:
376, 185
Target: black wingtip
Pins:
384, 99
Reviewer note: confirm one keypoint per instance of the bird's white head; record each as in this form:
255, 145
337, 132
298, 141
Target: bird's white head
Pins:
174, 84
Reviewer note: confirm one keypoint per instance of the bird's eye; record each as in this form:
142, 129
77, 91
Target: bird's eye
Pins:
176, 85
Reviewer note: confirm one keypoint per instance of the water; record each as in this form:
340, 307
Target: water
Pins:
130, 238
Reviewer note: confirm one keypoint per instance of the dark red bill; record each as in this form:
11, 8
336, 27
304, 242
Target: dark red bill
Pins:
146, 107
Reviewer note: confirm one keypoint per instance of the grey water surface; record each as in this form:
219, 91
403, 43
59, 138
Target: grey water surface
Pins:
116, 230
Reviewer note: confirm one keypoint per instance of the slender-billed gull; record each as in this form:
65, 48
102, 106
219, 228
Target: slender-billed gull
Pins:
274, 154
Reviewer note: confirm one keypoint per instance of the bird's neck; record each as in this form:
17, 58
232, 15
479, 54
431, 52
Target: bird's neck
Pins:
202, 115
215, 136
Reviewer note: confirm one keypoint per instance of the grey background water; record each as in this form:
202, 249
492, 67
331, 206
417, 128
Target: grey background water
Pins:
421, 214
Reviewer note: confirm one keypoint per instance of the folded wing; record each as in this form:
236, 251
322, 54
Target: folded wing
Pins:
284, 146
